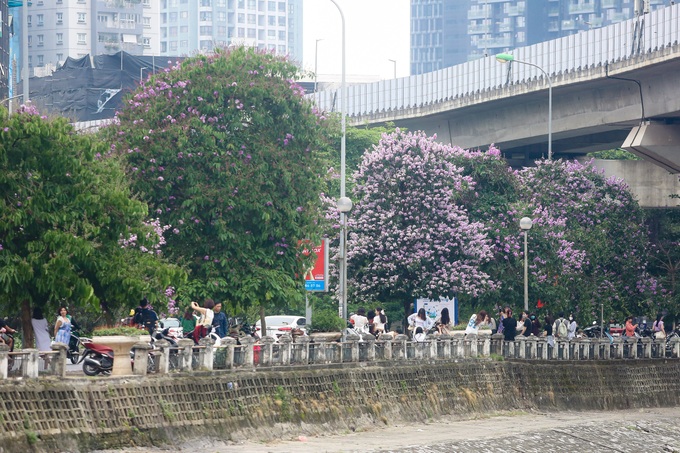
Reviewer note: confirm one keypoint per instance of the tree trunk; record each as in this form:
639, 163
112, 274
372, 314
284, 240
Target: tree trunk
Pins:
27, 337
263, 324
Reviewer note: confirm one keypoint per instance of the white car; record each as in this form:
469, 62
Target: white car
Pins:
280, 325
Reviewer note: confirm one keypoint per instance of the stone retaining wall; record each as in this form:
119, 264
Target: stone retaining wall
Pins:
77, 414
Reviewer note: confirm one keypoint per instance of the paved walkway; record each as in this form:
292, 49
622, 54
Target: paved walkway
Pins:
648, 430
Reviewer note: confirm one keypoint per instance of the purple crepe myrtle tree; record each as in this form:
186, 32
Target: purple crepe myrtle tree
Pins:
409, 235
224, 148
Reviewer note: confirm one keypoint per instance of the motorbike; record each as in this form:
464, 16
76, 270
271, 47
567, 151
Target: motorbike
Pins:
74, 344
159, 333
239, 328
96, 358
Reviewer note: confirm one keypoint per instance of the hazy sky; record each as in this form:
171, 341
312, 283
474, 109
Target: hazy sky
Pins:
375, 32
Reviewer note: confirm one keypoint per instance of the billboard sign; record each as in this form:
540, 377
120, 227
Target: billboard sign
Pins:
433, 307
316, 278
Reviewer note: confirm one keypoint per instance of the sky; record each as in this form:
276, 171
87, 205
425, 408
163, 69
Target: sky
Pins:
376, 31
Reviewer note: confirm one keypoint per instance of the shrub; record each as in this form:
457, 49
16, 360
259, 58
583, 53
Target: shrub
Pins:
326, 321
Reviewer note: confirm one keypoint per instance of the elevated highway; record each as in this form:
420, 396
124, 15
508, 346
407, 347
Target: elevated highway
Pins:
606, 82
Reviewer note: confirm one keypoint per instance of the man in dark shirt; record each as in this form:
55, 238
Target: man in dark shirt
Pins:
5, 337
527, 328
509, 326
219, 320
145, 316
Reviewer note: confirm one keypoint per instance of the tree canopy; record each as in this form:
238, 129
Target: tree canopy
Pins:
432, 220
63, 216
226, 150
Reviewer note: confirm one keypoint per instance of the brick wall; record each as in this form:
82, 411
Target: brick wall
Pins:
76, 414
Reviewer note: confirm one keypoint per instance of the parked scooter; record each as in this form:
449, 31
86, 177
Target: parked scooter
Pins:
96, 358
73, 352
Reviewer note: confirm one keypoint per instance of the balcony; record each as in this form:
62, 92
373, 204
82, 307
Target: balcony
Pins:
583, 8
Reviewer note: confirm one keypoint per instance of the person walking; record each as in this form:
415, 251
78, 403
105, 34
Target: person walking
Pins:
571, 334
62, 328
548, 330
41, 330
630, 327
509, 326
658, 328
219, 321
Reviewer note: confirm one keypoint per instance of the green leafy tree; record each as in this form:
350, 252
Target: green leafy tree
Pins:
226, 149
70, 232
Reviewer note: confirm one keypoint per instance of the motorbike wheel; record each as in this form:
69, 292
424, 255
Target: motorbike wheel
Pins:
73, 356
90, 370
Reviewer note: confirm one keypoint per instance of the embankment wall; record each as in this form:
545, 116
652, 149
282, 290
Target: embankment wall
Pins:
76, 414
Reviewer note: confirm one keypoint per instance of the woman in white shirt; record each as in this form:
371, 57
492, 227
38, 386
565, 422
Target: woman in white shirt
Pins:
206, 319
476, 320
421, 320
360, 321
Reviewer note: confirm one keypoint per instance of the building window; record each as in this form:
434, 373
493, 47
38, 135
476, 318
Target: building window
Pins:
173, 32
81, 18
41, 40
282, 21
82, 38
29, 19
251, 19
30, 40
184, 44
147, 42
251, 33
206, 16
184, 15
41, 60
206, 30
146, 3
60, 57
184, 29
41, 20
60, 18
282, 35
60, 39
206, 3
147, 22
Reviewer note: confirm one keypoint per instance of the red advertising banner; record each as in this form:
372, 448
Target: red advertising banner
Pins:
316, 278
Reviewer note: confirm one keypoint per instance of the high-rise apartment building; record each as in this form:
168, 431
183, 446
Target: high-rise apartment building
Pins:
494, 26
4, 50
274, 25
58, 29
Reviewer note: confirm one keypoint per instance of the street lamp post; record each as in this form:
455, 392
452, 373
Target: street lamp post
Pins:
141, 74
343, 127
507, 58
394, 64
525, 224
316, 61
344, 206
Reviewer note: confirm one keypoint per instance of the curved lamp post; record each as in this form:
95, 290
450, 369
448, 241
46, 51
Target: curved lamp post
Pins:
344, 205
507, 58
525, 224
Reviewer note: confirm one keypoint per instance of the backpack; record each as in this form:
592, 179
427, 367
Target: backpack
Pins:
139, 317
562, 330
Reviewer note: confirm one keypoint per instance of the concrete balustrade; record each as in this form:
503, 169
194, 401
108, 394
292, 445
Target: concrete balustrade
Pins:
303, 351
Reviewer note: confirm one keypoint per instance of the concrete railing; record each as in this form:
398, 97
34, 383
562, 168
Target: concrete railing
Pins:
166, 358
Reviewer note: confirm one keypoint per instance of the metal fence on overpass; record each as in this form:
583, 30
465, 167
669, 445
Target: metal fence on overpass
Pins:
647, 33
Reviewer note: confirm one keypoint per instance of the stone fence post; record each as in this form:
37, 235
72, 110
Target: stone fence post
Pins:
445, 341
267, 350
140, 352
675, 347
521, 343
206, 354
370, 348
619, 343
186, 352
485, 339
646, 347
605, 346
353, 341
387, 346
229, 344
286, 342
248, 355
303, 341
164, 356
471, 341
400, 343
632, 347
497, 344
60, 359
4, 361
532, 342
31, 363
